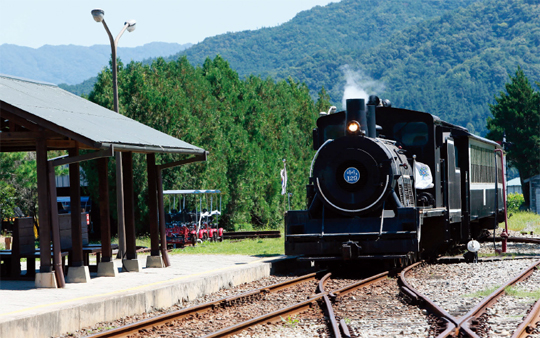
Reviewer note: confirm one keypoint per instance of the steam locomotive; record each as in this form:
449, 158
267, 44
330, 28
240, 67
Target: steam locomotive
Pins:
394, 184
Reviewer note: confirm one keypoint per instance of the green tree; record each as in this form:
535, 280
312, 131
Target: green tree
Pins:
18, 184
248, 125
517, 112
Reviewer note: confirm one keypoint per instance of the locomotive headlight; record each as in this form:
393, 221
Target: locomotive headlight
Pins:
353, 127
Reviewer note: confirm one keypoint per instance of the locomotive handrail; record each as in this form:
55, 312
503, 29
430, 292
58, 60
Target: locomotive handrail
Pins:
317, 154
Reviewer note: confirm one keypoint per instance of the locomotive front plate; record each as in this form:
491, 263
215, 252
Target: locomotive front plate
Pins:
351, 175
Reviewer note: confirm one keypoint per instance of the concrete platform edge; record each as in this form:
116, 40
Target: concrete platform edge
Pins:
57, 320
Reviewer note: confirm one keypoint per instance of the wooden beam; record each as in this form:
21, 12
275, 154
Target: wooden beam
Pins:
62, 144
75, 194
196, 158
129, 206
43, 204
18, 135
14, 118
161, 208
152, 204
80, 158
55, 229
104, 212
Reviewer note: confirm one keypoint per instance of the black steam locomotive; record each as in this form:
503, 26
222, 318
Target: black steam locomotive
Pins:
394, 184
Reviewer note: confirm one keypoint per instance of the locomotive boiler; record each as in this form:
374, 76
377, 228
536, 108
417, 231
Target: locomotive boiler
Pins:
393, 184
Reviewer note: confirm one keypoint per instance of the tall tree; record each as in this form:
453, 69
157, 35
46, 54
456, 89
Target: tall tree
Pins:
517, 112
248, 125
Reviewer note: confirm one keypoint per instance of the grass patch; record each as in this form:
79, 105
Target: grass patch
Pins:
518, 293
482, 293
524, 221
262, 247
139, 241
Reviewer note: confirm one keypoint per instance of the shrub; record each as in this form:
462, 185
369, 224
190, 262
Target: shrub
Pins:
514, 202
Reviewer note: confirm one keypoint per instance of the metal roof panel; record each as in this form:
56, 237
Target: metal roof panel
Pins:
85, 118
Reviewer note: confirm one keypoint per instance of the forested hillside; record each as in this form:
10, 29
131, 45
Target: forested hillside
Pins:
249, 126
451, 66
343, 27
72, 64
436, 56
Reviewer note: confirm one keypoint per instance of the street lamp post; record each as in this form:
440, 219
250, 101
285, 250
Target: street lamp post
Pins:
129, 25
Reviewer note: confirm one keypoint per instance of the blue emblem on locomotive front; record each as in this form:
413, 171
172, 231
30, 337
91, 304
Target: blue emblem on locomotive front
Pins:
351, 175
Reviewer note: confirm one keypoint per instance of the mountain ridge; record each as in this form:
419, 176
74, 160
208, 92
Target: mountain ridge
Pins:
72, 64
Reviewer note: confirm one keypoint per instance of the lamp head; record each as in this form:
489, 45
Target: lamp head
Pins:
131, 26
98, 14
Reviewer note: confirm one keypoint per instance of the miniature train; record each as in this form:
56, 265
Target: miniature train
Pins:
192, 226
394, 184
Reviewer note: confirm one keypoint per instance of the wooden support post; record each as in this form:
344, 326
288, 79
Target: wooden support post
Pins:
75, 202
104, 213
57, 256
43, 203
120, 206
129, 206
152, 204
161, 209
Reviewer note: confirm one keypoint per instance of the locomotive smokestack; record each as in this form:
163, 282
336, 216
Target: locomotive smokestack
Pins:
356, 111
373, 102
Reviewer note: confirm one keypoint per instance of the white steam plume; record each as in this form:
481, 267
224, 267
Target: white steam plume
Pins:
358, 85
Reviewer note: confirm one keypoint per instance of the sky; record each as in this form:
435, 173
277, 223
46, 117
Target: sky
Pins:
34, 23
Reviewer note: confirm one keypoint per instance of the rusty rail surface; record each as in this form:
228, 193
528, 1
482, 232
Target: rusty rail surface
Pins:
465, 321
251, 234
329, 309
416, 297
456, 326
134, 328
350, 288
530, 324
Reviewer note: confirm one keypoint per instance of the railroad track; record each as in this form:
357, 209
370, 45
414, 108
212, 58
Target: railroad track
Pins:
320, 296
469, 324
251, 234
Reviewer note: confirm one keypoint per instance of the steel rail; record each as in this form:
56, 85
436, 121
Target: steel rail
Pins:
268, 318
350, 288
515, 240
530, 322
464, 321
134, 328
455, 326
419, 298
329, 309
304, 306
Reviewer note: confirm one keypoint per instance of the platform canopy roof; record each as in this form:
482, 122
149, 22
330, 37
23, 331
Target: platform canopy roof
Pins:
31, 110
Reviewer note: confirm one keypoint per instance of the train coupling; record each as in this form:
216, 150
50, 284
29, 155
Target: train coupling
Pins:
350, 250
